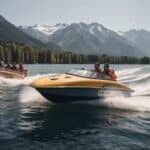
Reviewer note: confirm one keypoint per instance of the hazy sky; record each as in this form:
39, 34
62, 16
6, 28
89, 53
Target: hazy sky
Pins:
114, 14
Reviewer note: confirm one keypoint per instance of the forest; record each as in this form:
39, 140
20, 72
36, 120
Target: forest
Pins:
11, 52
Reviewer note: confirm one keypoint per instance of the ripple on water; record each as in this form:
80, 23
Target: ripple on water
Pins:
28, 121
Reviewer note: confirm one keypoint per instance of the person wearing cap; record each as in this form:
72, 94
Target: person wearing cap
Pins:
97, 68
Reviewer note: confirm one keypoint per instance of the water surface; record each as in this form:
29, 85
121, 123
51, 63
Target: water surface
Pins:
29, 121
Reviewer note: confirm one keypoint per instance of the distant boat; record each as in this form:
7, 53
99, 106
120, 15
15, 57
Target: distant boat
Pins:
6, 73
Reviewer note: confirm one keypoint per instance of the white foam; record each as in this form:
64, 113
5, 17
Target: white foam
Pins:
136, 103
29, 94
140, 99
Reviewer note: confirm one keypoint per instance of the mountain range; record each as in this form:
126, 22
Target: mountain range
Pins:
92, 38
11, 33
139, 38
81, 38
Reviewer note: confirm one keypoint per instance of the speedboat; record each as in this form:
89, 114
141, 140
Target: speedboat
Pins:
8, 73
78, 85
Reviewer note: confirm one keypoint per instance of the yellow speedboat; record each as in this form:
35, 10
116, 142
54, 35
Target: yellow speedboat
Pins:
11, 74
78, 85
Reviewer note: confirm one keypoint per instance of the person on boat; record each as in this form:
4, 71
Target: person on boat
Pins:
113, 75
106, 69
2, 65
14, 67
22, 69
97, 68
110, 72
8, 66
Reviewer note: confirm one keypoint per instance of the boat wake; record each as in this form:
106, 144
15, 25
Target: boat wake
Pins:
30, 95
137, 78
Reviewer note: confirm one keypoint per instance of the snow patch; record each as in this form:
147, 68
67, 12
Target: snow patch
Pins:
48, 30
95, 27
120, 33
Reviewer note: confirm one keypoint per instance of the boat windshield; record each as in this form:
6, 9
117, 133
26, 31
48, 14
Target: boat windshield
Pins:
88, 74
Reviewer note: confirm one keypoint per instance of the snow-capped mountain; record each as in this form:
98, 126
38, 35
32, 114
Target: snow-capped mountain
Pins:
9, 32
121, 33
42, 32
139, 38
91, 38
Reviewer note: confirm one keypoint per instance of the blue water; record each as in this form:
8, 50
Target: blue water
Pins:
29, 121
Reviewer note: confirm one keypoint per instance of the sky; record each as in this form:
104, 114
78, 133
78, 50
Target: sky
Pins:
118, 15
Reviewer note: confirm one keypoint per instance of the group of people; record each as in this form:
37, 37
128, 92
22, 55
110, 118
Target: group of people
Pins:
20, 68
106, 71
13, 67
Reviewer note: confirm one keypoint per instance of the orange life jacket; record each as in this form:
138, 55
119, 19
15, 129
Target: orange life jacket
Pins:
112, 75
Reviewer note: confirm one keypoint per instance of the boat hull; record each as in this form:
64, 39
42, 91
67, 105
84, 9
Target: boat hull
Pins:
74, 94
70, 88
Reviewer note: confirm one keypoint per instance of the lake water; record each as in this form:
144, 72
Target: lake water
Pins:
29, 121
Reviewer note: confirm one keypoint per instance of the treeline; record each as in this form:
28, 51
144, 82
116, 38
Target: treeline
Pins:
20, 53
